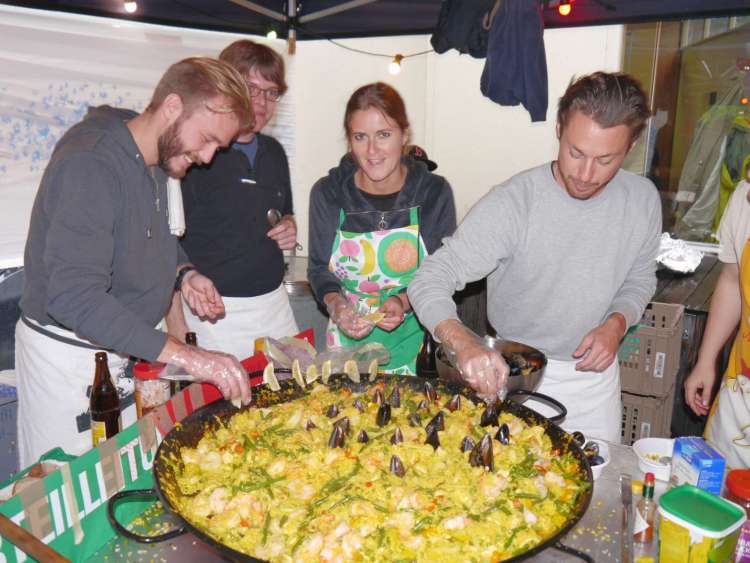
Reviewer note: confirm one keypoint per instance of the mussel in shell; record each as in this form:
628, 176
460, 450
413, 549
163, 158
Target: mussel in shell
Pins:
481, 455
423, 404
579, 438
591, 448
337, 438
429, 392
454, 404
397, 437
394, 399
490, 414
437, 422
362, 437
467, 444
377, 397
414, 419
397, 466
332, 411
384, 415
344, 424
432, 438
359, 405
309, 425
596, 460
503, 434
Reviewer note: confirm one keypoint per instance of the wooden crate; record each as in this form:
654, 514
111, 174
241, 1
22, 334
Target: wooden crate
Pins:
645, 417
649, 354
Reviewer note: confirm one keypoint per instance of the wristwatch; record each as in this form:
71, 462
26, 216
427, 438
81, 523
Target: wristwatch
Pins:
181, 273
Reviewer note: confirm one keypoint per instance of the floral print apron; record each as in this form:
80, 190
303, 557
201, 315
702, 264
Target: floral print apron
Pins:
373, 266
728, 427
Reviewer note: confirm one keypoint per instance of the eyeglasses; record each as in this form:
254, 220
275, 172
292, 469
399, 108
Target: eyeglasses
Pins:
272, 94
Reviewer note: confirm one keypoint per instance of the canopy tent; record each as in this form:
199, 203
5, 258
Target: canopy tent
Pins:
369, 18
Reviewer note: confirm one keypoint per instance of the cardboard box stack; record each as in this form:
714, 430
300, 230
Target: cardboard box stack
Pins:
649, 359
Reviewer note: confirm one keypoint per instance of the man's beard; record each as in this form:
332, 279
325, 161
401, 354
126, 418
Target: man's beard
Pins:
169, 144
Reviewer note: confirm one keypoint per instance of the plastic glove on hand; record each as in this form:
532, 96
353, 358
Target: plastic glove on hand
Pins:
481, 367
345, 315
222, 370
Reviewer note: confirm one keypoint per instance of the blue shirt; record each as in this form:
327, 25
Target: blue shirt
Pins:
250, 150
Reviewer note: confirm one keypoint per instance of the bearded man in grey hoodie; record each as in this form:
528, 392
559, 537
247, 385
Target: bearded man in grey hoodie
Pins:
101, 263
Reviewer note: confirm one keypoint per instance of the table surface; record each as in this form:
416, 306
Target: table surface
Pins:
597, 534
692, 290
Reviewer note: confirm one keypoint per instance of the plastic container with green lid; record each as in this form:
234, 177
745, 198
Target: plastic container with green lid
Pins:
697, 526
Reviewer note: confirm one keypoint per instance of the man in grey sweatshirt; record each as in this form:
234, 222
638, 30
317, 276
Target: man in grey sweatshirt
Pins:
568, 249
100, 261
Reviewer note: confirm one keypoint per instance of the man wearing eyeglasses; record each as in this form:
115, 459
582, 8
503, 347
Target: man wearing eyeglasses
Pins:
228, 237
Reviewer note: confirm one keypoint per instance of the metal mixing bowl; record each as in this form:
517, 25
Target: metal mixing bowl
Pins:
529, 382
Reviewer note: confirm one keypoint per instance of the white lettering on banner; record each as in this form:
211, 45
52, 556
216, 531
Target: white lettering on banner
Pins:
100, 481
20, 555
56, 508
129, 450
147, 459
89, 505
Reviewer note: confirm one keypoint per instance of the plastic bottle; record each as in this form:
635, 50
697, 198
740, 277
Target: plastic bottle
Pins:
643, 527
738, 491
104, 404
150, 391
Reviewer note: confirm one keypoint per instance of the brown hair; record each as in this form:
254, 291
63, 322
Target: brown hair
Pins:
246, 55
380, 96
609, 98
199, 79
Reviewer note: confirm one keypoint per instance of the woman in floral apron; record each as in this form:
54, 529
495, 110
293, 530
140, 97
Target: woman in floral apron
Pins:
728, 427
372, 221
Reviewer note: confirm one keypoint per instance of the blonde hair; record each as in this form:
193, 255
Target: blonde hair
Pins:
197, 80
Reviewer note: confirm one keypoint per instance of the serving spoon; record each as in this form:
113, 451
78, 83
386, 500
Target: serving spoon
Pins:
274, 217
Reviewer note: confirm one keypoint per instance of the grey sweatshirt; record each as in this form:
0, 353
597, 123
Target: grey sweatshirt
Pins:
90, 265
556, 267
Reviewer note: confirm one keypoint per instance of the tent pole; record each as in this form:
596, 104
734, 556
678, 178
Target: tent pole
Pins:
291, 35
334, 10
260, 9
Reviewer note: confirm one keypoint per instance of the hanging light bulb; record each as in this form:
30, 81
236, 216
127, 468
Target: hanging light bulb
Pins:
395, 66
564, 8
271, 34
130, 7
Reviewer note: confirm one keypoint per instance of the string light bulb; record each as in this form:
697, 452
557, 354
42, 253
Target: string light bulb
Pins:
564, 8
395, 65
271, 34
130, 7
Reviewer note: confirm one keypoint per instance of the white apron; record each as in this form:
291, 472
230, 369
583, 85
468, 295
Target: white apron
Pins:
246, 319
52, 381
592, 399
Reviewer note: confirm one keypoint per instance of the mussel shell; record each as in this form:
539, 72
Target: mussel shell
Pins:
596, 460
433, 439
591, 448
503, 434
429, 392
454, 404
579, 438
377, 397
344, 424
359, 405
384, 415
397, 466
467, 444
337, 438
309, 425
437, 422
414, 419
481, 455
490, 414
423, 404
397, 437
362, 437
394, 399
332, 411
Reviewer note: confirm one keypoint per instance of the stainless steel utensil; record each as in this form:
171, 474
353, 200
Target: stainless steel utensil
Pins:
626, 529
274, 216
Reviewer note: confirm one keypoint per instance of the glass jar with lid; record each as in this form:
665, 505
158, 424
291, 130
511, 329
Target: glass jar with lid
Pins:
150, 391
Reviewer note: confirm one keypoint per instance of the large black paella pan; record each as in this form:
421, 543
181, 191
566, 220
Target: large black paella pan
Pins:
194, 427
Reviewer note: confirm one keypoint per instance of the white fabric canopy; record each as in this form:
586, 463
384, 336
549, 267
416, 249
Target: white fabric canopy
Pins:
55, 66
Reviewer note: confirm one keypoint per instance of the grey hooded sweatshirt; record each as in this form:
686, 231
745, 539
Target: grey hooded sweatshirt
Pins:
100, 260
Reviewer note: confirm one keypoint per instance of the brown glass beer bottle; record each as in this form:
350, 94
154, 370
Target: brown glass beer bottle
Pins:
104, 403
